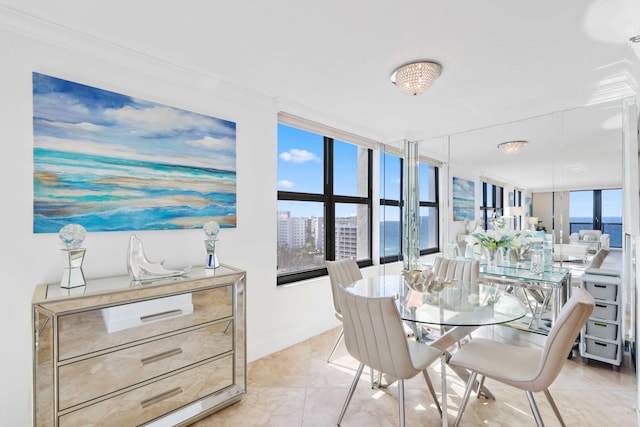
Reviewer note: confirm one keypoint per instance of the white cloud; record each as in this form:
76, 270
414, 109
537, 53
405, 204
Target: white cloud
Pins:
84, 126
162, 119
286, 184
210, 143
298, 156
124, 152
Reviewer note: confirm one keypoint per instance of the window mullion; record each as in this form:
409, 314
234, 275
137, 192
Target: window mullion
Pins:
330, 207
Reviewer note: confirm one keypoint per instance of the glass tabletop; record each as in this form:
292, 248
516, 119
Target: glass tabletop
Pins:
555, 276
458, 304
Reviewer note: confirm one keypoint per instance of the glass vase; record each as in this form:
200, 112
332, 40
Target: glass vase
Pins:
491, 255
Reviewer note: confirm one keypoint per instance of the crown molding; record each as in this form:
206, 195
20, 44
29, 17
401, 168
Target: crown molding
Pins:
52, 33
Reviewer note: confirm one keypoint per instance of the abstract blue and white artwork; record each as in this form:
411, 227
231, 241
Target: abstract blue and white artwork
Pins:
464, 200
112, 162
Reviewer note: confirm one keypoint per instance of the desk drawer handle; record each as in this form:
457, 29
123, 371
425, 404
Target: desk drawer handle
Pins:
601, 306
159, 316
161, 397
160, 356
602, 325
599, 286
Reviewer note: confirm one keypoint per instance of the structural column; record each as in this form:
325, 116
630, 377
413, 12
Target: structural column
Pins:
411, 197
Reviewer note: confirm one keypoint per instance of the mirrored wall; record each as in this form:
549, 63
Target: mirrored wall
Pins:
577, 150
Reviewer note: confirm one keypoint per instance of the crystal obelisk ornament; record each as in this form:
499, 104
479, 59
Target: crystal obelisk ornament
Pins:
211, 230
72, 236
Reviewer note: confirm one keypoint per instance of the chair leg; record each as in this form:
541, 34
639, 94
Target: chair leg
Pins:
350, 393
401, 401
480, 385
427, 378
534, 409
554, 406
465, 397
335, 346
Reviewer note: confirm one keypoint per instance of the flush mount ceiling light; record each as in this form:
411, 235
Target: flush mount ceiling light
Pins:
512, 147
416, 77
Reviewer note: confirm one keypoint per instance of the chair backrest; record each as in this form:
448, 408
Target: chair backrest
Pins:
374, 334
467, 270
562, 337
342, 273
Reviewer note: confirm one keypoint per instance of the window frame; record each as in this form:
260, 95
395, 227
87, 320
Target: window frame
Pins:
400, 204
329, 200
497, 202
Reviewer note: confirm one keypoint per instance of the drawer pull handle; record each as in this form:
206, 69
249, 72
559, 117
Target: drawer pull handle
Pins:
601, 306
599, 286
602, 325
158, 316
599, 343
155, 399
160, 356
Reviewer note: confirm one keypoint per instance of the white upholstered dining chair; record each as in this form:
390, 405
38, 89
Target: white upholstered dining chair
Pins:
467, 270
375, 336
341, 273
528, 369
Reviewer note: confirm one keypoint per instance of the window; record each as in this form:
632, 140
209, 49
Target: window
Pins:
597, 210
429, 212
324, 203
391, 217
390, 207
491, 203
517, 201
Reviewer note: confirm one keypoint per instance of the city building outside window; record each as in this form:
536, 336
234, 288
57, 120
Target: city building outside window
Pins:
324, 203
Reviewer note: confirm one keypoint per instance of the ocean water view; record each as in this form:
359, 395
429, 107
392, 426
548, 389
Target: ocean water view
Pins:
610, 225
114, 194
112, 162
390, 236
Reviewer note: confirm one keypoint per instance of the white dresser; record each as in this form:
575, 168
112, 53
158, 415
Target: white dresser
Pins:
160, 353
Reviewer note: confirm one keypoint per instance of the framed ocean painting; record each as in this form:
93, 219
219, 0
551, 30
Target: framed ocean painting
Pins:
111, 162
463, 199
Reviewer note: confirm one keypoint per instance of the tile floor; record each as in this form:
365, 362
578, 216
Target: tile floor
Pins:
297, 387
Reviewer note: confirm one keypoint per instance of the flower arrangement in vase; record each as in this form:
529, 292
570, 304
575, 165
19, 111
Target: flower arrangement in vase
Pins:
496, 240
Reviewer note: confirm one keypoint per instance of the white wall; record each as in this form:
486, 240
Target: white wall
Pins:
276, 317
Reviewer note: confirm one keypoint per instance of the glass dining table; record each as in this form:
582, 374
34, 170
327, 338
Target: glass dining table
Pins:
551, 288
458, 309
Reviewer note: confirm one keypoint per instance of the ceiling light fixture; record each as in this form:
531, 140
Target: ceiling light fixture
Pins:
512, 147
416, 77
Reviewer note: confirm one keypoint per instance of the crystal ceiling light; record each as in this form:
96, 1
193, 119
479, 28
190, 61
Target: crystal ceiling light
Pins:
416, 77
512, 147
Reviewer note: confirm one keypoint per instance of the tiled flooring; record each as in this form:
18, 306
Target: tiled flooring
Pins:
297, 387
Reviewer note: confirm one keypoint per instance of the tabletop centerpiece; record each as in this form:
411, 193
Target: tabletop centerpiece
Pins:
499, 240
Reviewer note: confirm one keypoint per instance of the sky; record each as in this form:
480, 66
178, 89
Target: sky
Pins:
73, 117
300, 169
581, 203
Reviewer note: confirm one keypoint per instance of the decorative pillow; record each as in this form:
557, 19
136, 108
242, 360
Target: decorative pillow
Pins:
589, 237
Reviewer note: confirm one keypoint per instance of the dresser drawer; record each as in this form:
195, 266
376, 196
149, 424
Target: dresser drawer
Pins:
86, 332
96, 376
151, 401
